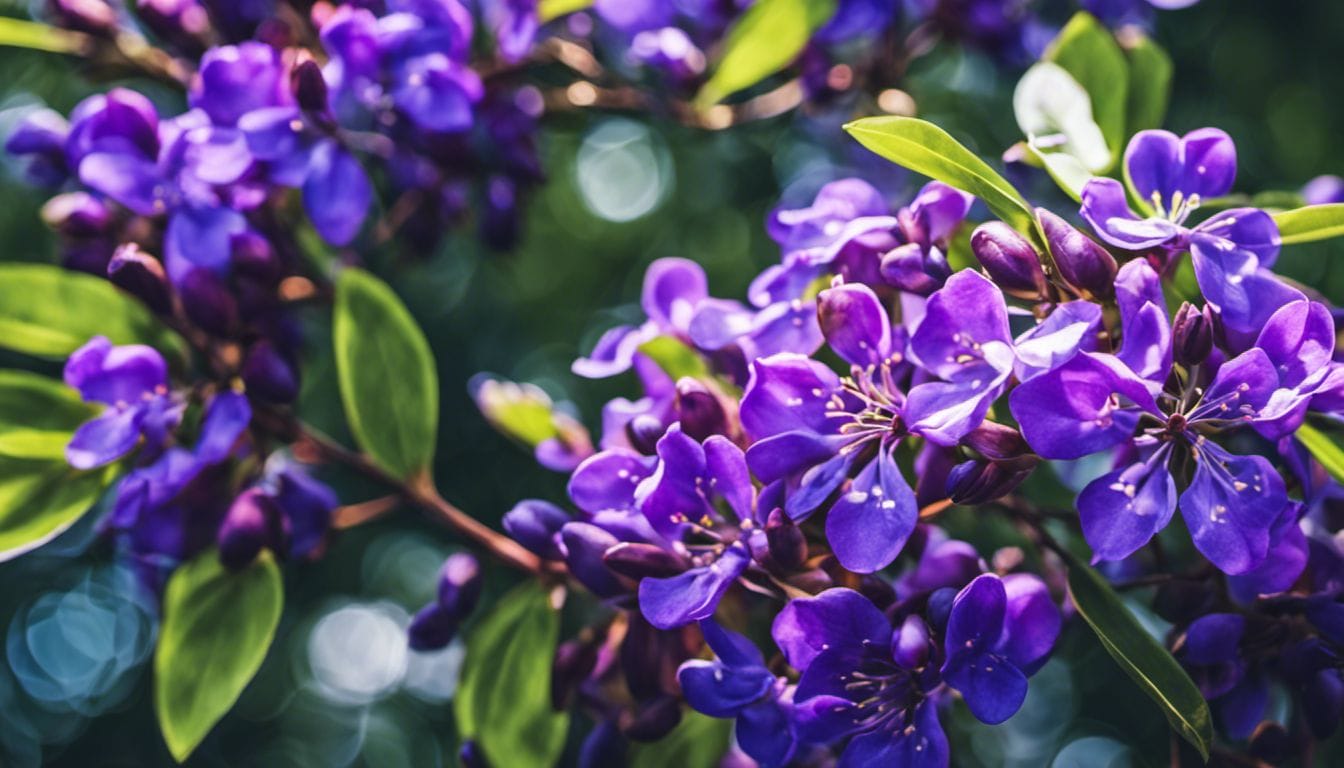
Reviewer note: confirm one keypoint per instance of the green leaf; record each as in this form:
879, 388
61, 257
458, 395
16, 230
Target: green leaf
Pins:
386, 372
50, 312
927, 149
766, 39
520, 411
504, 701
698, 741
1088, 51
675, 358
1050, 105
1143, 658
40, 497
1314, 222
19, 33
1149, 80
217, 627
32, 401
1325, 449
548, 10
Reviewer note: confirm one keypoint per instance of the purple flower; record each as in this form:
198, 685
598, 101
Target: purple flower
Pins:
1098, 401
40, 137
515, 24
737, 684
1232, 251
1210, 650
132, 381
237, 79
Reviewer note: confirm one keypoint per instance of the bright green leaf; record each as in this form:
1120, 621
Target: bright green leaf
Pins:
698, 741
31, 401
520, 411
766, 39
1143, 658
386, 372
1088, 51
45, 444
927, 149
50, 312
217, 627
548, 10
504, 700
19, 33
675, 358
1314, 222
1324, 449
1149, 80
42, 497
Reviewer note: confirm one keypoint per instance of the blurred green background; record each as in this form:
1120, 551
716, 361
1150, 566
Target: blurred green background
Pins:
339, 686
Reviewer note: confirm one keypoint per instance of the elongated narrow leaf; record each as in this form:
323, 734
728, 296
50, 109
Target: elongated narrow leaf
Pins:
1314, 222
217, 627
1149, 80
766, 39
1143, 659
386, 372
548, 10
675, 358
50, 312
504, 701
1088, 51
927, 149
699, 741
1324, 449
19, 33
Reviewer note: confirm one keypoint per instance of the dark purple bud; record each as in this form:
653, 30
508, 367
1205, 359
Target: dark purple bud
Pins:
979, 481
998, 442
499, 217
653, 720
184, 23
536, 525
1271, 743
268, 374
432, 628
910, 645
604, 747
459, 584
208, 303
76, 214
788, 545
699, 410
584, 545
637, 561
877, 589
253, 255
910, 268
95, 17
140, 275
574, 661
250, 524
644, 431
649, 658
472, 756
940, 606
310, 89
812, 581
1081, 262
1192, 335
1009, 259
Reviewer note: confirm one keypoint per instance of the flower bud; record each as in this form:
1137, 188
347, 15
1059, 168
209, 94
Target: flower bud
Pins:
1192, 335
604, 747
77, 214
699, 410
812, 581
998, 442
940, 606
310, 89
96, 17
184, 23
536, 524
912, 269
40, 138
250, 524
644, 431
207, 301
654, 720
637, 560
1009, 259
141, 275
877, 589
472, 756
910, 647
788, 545
574, 661
979, 481
459, 584
584, 545
253, 255
1082, 263
268, 375
1272, 743
432, 628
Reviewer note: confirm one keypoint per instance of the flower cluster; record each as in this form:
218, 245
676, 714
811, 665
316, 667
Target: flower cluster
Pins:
802, 447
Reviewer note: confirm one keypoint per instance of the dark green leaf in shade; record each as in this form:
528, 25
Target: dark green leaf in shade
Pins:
504, 700
698, 741
1149, 80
